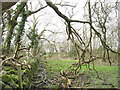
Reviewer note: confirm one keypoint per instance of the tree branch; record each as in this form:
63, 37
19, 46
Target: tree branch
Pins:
38, 10
62, 15
22, 5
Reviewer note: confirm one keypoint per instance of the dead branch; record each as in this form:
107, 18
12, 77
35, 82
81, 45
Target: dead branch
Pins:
33, 12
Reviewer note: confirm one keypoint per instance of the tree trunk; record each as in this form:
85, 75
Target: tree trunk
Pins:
12, 22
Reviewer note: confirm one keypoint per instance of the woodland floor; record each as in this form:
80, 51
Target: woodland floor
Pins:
48, 75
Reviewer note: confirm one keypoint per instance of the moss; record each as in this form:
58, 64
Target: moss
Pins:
12, 71
15, 78
8, 78
7, 68
7, 86
2, 84
24, 84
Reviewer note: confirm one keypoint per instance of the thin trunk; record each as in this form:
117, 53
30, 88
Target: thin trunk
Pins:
0, 28
20, 77
104, 39
9, 37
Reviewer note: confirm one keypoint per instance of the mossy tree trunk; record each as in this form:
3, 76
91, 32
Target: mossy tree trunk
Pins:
12, 22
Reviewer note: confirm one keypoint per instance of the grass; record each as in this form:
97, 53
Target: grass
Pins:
57, 65
107, 73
